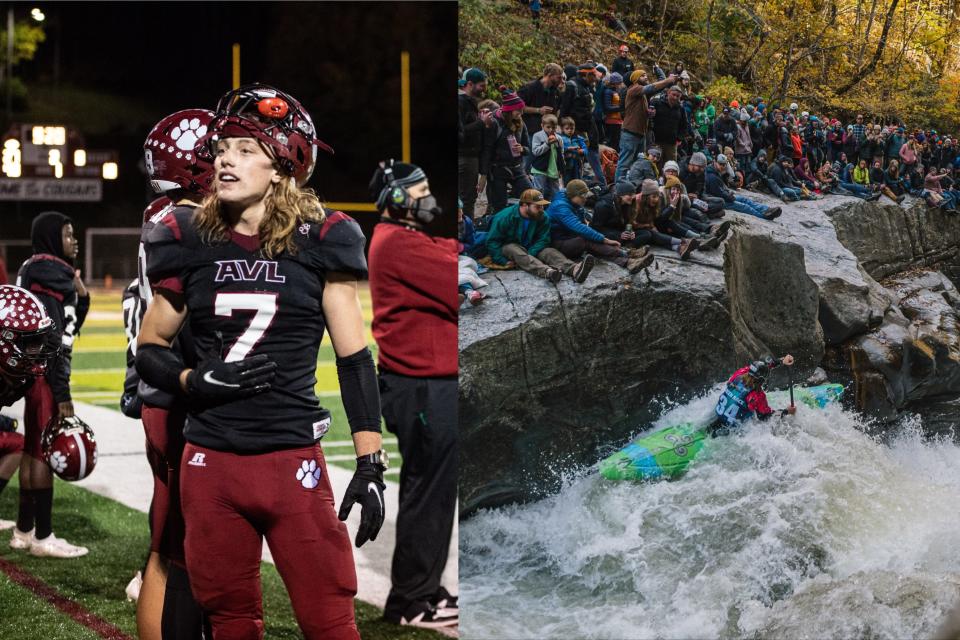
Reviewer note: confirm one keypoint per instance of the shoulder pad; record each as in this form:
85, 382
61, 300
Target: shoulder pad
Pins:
169, 244
48, 272
336, 244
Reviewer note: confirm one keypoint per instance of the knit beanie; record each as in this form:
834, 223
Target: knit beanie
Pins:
672, 181
510, 100
625, 188
649, 187
635, 76
577, 188
671, 164
615, 78
698, 159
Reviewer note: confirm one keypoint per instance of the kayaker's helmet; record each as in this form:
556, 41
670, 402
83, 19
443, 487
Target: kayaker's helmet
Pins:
760, 369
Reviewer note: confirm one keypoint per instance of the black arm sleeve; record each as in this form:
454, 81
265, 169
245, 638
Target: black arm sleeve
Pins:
160, 367
58, 374
83, 306
359, 391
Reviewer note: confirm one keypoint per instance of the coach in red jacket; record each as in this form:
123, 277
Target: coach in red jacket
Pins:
413, 285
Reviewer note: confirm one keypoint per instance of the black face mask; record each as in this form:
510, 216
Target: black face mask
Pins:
426, 209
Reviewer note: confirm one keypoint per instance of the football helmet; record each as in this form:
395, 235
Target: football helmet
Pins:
175, 156
27, 338
69, 447
155, 207
275, 119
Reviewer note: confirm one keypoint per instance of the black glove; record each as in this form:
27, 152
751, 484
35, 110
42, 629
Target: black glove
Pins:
366, 487
217, 381
8, 424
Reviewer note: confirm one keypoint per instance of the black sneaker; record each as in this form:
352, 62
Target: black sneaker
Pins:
426, 616
582, 269
554, 275
443, 600
709, 243
772, 213
721, 230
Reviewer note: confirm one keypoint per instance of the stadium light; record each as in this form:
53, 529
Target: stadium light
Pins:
110, 170
79, 158
37, 15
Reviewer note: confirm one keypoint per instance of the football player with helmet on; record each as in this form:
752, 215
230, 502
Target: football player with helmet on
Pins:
413, 287
259, 272
49, 274
28, 343
180, 168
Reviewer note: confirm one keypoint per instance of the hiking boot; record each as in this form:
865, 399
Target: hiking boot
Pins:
710, 243
553, 275
785, 197
638, 252
721, 230
772, 213
687, 246
582, 269
873, 197
636, 264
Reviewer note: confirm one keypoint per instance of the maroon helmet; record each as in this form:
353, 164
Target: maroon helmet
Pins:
69, 447
275, 119
157, 206
27, 338
175, 156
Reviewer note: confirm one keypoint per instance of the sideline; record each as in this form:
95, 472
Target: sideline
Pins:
122, 474
74, 610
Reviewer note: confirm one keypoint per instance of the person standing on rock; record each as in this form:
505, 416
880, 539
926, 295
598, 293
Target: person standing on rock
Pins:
744, 396
521, 234
570, 234
635, 118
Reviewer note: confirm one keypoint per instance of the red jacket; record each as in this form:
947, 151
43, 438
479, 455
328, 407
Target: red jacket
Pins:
413, 286
756, 399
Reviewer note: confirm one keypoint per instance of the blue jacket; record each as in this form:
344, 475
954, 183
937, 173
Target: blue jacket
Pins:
715, 186
567, 220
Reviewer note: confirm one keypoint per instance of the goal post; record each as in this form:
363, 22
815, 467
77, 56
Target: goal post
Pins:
111, 254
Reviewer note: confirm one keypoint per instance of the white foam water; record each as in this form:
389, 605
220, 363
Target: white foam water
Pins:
802, 527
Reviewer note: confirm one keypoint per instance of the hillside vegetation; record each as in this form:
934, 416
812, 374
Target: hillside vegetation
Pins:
889, 58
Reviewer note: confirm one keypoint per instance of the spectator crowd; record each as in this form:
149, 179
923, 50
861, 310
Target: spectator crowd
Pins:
591, 161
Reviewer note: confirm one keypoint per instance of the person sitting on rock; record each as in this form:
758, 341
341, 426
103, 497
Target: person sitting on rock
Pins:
679, 223
780, 173
744, 396
521, 234
716, 187
690, 215
612, 217
693, 180
643, 220
644, 168
892, 181
571, 236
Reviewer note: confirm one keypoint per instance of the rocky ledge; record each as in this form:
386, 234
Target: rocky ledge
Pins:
550, 375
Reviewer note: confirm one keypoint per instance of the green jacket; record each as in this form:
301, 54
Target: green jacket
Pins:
507, 227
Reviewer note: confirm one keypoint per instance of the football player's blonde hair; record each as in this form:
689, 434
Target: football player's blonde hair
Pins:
287, 207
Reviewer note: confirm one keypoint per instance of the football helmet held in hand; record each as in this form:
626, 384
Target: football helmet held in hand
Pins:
69, 447
28, 341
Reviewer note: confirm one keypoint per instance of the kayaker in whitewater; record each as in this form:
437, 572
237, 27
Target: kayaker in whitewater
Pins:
744, 395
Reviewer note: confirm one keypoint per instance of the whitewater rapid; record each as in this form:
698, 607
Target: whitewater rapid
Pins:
803, 527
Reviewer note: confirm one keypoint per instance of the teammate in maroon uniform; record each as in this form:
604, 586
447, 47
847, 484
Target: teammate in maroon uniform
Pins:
49, 274
263, 270
413, 286
180, 167
27, 345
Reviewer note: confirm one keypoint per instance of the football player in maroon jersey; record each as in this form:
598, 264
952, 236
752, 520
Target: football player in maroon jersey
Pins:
263, 269
180, 167
28, 344
49, 274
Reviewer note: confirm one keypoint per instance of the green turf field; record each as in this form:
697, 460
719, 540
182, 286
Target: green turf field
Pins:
118, 536
99, 366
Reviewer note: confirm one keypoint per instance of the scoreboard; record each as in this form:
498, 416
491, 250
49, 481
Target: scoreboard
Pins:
51, 162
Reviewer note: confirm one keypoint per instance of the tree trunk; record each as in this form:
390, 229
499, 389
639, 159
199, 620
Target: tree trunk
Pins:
710, 43
866, 34
872, 65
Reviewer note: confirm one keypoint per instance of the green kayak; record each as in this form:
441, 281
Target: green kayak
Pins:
667, 453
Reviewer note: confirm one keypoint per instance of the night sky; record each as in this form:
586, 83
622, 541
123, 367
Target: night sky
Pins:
341, 60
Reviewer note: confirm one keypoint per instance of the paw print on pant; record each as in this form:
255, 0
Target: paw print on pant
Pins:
58, 462
308, 474
187, 133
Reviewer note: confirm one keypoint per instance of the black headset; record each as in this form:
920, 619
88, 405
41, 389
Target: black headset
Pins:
393, 196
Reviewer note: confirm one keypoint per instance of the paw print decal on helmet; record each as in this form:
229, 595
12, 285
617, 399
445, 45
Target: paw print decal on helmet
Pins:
187, 133
58, 462
308, 473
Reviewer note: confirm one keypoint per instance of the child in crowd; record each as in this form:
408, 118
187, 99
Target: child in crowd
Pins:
547, 165
468, 280
574, 151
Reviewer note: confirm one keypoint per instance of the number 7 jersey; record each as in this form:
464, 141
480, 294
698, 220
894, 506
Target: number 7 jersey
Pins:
259, 306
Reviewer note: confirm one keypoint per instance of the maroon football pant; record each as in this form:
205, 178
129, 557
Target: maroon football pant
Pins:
10, 442
230, 502
39, 408
164, 432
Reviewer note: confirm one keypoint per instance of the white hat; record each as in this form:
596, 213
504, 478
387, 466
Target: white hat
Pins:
794, 106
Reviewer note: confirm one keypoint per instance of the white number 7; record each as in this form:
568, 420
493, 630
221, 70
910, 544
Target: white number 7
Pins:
265, 305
